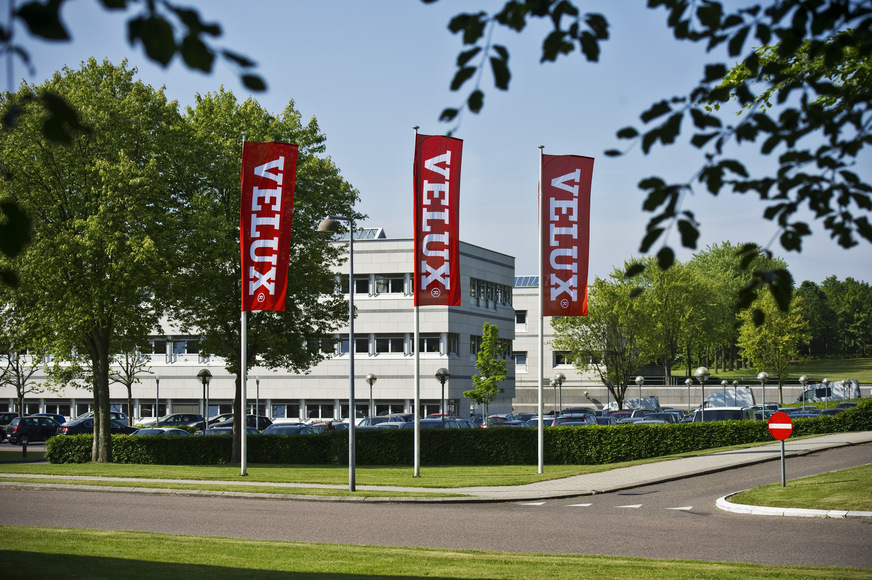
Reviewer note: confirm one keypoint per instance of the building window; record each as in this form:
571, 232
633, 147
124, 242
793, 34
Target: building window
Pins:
316, 411
474, 345
562, 358
388, 344
520, 362
361, 284
389, 285
361, 345
429, 344
453, 340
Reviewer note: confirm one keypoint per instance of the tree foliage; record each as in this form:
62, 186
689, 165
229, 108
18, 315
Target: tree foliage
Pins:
773, 345
208, 290
611, 339
491, 367
807, 89
107, 213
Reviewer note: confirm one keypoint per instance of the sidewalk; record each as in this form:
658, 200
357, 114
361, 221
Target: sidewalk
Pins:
590, 484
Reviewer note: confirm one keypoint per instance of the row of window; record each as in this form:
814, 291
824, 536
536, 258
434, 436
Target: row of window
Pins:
489, 294
447, 343
481, 292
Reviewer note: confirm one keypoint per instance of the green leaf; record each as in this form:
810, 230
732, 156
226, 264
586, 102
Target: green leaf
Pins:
196, 54
461, 76
448, 114
714, 72
634, 270
628, 133
689, 233
737, 42
253, 82
501, 73
467, 55
649, 239
475, 101
665, 258
156, 35
656, 110
15, 229
44, 20
239, 59
612, 153
758, 317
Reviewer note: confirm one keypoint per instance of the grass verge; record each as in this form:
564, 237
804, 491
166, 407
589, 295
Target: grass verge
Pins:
55, 552
848, 489
15, 455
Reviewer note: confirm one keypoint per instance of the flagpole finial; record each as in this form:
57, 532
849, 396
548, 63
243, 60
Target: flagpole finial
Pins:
541, 147
415, 127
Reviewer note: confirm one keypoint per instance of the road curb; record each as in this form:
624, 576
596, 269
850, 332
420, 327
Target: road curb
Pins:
725, 504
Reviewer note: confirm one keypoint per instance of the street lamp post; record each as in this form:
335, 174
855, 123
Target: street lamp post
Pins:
554, 386
826, 384
724, 384
639, 381
736, 393
331, 225
702, 373
763, 377
205, 377
370, 379
804, 381
156, 401
560, 378
256, 402
442, 375
688, 381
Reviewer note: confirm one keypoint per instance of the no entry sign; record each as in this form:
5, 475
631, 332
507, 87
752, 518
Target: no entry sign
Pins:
780, 426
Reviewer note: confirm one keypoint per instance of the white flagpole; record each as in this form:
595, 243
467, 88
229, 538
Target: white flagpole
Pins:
541, 404
417, 343
243, 335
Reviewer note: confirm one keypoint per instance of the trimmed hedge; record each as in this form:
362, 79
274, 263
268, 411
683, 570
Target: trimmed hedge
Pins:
497, 446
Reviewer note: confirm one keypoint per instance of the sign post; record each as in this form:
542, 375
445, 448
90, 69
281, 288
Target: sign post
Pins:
780, 427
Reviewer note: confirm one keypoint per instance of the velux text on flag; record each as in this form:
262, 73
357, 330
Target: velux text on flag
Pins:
266, 211
437, 212
565, 231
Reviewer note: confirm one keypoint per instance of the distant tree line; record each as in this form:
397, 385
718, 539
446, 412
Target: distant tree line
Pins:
839, 315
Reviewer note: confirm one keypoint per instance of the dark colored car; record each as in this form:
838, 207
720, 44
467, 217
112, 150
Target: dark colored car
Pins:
576, 418
86, 425
59, 418
432, 424
166, 431
177, 420
227, 431
23, 430
288, 429
5, 418
226, 420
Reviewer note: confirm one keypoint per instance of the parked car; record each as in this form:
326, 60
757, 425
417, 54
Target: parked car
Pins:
113, 415
432, 424
371, 421
579, 418
23, 430
665, 417
288, 429
7, 416
86, 425
227, 431
724, 414
175, 420
165, 431
606, 420
59, 418
260, 422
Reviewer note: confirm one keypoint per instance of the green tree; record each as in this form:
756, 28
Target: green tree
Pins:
773, 345
609, 340
106, 212
125, 371
822, 324
851, 302
822, 57
208, 291
20, 358
491, 366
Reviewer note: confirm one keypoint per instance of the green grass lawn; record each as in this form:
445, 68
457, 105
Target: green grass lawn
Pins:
815, 370
850, 489
65, 553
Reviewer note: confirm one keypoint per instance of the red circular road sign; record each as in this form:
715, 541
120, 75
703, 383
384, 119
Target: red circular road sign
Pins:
780, 425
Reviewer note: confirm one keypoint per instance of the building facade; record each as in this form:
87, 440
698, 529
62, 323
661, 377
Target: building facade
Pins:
383, 346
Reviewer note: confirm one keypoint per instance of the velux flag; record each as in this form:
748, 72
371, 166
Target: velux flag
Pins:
565, 231
437, 209
266, 210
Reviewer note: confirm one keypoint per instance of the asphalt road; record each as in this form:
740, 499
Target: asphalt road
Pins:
676, 520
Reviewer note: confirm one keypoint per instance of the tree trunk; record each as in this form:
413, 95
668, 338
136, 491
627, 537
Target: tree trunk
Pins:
101, 451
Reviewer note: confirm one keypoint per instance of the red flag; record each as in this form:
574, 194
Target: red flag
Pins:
437, 212
565, 230
266, 211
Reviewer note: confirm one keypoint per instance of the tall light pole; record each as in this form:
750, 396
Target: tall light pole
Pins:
560, 378
724, 384
156, 401
205, 377
554, 386
826, 384
256, 402
371, 378
804, 381
736, 392
763, 377
331, 224
702, 373
443, 375
640, 380
688, 381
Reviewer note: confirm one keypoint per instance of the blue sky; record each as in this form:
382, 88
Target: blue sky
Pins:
370, 71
